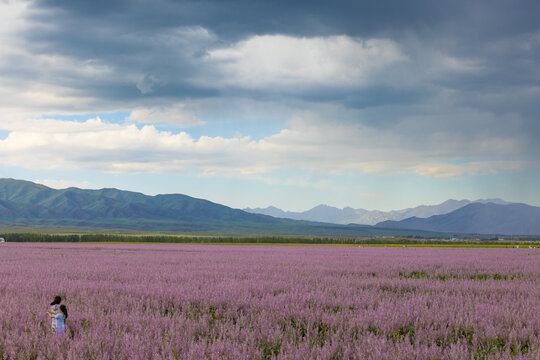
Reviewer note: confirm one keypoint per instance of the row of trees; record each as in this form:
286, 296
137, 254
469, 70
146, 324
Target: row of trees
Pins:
36, 237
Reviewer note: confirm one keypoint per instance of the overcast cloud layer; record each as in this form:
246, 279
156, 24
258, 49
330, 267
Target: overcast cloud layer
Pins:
433, 88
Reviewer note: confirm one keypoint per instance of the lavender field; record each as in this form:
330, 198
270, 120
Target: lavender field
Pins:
270, 302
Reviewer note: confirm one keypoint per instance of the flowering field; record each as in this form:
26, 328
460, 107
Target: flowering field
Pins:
263, 302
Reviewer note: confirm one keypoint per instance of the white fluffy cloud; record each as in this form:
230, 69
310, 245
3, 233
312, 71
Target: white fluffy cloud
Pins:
94, 144
308, 143
286, 61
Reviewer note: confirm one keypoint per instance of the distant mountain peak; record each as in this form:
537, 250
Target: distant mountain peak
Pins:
324, 206
348, 215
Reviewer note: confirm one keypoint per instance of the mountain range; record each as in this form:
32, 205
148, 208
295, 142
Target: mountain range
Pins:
348, 215
477, 218
25, 205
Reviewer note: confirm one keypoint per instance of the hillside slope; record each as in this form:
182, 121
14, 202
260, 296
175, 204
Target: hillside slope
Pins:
478, 218
25, 205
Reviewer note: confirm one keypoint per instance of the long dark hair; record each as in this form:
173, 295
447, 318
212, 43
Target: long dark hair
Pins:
63, 309
57, 300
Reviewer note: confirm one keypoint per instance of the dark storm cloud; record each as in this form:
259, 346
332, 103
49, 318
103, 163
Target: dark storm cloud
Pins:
236, 18
126, 33
155, 49
360, 18
233, 19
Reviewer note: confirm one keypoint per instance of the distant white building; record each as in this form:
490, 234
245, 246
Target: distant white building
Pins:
2, 240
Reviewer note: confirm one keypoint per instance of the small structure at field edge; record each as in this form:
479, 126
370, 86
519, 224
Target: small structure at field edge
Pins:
2, 240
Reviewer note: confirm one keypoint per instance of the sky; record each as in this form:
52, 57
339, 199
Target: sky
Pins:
369, 104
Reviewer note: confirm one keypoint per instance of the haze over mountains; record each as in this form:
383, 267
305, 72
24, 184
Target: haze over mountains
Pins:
348, 215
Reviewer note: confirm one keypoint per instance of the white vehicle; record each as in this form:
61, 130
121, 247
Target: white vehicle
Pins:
2, 240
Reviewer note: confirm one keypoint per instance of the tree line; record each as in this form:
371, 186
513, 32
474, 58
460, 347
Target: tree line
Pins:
121, 238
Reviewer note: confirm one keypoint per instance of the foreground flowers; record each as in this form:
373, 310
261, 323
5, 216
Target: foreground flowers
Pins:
256, 302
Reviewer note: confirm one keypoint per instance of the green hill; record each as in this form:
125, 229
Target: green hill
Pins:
26, 205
